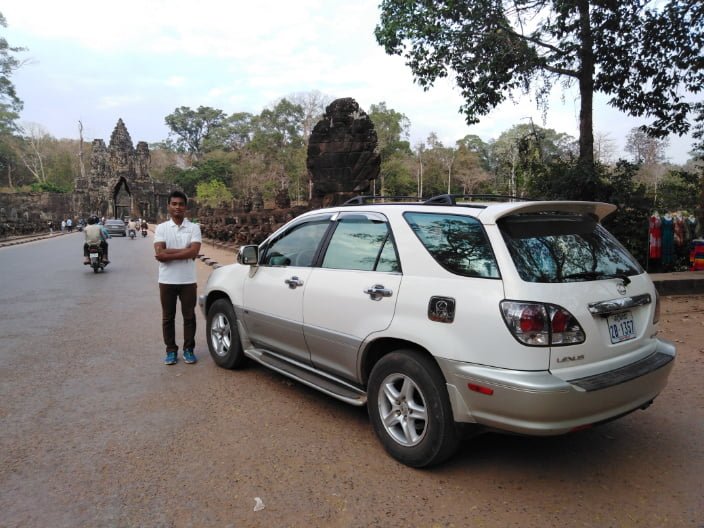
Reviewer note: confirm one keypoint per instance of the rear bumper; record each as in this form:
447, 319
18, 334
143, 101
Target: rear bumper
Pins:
538, 403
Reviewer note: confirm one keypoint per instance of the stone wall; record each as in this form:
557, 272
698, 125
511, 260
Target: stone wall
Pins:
27, 213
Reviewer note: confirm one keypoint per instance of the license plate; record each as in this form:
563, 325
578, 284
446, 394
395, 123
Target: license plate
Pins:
93, 255
621, 327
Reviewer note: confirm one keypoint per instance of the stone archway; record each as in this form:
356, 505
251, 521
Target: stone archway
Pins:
122, 199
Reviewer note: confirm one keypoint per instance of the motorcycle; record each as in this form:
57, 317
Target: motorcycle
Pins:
95, 253
132, 234
144, 232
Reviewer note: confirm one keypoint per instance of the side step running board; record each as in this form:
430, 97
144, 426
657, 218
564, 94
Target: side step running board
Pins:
315, 379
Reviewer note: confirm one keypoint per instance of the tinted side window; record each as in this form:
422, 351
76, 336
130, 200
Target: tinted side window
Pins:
296, 247
361, 244
458, 243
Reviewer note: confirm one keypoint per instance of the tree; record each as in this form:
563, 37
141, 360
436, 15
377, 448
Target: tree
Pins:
34, 150
646, 56
313, 104
192, 128
649, 153
279, 141
391, 129
469, 170
213, 193
10, 103
645, 149
521, 153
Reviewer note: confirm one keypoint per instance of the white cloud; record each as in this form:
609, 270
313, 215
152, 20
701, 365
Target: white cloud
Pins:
118, 101
175, 80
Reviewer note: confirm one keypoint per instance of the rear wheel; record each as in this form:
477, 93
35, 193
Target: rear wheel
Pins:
410, 410
223, 337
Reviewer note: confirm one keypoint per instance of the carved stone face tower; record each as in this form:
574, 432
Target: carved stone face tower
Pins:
119, 184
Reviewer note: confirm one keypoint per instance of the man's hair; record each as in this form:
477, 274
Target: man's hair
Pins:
178, 194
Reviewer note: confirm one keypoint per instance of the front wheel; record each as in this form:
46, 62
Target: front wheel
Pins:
410, 409
223, 337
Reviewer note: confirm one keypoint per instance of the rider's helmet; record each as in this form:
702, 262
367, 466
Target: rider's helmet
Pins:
93, 219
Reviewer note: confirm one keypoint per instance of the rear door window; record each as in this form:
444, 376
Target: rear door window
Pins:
564, 248
458, 243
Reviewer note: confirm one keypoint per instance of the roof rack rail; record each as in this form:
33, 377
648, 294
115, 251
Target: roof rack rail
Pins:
451, 199
361, 200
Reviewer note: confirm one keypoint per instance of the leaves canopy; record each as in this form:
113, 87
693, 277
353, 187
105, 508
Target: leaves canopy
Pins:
192, 128
646, 56
10, 103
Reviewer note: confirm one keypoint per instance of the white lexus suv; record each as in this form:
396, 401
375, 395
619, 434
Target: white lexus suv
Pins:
448, 315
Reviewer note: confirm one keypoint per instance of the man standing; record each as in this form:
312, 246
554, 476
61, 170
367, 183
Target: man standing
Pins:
176, 244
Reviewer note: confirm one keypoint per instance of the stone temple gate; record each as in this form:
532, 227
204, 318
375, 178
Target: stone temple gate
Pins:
118, 184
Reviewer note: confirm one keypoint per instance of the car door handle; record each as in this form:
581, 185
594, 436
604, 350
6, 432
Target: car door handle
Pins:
294, 282
378, 291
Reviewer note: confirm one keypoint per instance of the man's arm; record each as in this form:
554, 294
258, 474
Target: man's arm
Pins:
164, 255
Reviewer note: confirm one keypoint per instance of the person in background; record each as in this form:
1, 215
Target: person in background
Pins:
95, 234
131, 228
176, 245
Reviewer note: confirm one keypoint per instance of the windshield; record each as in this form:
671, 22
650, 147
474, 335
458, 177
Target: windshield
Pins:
565, 248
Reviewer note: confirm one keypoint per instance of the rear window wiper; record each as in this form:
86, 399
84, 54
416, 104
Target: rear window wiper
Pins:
594, 275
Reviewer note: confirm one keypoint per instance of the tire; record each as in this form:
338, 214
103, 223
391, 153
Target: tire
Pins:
223, 338
410, 410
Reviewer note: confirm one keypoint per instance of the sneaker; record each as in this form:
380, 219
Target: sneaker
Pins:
189, 356
170, 358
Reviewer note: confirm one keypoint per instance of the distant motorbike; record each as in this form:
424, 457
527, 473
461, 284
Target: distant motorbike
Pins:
132, 233
144, 232
95, 252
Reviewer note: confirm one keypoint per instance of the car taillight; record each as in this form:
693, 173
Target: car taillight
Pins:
541, 324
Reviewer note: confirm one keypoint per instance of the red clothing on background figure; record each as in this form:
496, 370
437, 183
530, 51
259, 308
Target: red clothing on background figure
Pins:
655, 237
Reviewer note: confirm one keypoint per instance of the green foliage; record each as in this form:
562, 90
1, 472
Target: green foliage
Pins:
398, 178
215, 168
187, 179
213, 193
522, 154
49, 187
646, 58
10, 103
192, 128
679, 191
392, 130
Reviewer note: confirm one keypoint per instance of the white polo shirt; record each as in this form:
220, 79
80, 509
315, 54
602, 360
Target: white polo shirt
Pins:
177, 237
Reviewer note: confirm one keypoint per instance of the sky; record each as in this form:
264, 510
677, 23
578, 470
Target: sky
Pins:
98, 61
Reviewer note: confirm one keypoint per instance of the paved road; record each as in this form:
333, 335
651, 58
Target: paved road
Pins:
96, 432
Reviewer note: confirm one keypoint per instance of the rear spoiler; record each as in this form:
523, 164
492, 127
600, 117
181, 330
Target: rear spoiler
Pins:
599, 210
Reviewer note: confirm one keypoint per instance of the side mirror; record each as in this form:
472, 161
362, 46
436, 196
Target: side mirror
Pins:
248, 255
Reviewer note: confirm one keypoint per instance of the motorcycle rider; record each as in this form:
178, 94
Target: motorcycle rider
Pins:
95, 234
144, 227
132, 228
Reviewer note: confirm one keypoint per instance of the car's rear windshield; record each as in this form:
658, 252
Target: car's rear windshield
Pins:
564, 248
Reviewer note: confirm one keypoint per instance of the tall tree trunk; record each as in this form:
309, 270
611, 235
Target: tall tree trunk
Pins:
586, 90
